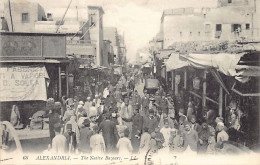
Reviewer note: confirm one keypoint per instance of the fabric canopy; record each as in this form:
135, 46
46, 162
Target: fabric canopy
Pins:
222, 62
225, 63
175, 62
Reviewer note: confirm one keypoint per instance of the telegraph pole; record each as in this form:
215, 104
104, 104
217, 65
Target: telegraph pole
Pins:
10, 12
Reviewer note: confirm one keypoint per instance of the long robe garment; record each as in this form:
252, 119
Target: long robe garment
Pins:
127, 113
145, 143
97, 144
145, 105
124, 146
59, 144
84, 140
110, 135
136, 130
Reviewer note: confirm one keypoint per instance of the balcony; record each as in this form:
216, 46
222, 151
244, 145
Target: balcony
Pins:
32, 45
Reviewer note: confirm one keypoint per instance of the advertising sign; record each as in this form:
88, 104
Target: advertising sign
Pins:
23, 83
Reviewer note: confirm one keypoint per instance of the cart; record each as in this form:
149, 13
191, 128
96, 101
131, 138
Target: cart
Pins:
151, 85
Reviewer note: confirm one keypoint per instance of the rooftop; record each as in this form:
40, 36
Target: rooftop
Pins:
97, 7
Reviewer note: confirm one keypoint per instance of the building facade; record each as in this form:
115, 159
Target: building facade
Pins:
95, 15
22, 15
118, 43
231, 20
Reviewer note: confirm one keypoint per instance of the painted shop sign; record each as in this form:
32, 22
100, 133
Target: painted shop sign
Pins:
23, 83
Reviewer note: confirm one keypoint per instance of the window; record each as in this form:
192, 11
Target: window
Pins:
49, 15
247, 26
207, 28
181, 34
218, 27
83, 56
229, 1
236, 27
25, 17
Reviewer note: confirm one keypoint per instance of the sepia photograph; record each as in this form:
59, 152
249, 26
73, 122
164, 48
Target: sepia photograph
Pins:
130, 82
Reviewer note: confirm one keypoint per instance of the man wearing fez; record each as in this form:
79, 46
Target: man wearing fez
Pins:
71, 143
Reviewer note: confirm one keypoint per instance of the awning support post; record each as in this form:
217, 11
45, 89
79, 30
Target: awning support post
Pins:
176, 90
220, 101
59, 82
166, 77
204, 89
185, 79
67, 81
172, 84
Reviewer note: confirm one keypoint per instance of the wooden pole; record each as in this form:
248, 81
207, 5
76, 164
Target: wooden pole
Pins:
204, 89
166, 78
59, 81
11, 17
176, 87
220, 101
67, 81
172, 84
63, 17
185, 78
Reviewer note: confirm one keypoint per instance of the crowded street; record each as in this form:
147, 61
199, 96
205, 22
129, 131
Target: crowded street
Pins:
141, 82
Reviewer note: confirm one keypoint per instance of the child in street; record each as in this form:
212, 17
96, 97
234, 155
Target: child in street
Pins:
124, 144
159, 138
211, 149
166, 131
153, 145
145, 141
97, 142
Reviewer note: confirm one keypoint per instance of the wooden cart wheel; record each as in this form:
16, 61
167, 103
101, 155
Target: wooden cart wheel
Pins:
7, 126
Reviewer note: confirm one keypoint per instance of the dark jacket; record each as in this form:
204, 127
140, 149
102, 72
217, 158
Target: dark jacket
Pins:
71, 141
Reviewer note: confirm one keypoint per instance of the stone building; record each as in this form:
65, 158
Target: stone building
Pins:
230, 20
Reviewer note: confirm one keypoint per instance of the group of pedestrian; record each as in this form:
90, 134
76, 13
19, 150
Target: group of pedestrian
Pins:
120, 121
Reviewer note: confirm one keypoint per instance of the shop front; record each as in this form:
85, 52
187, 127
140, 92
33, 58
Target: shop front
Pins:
33, 69
227, 84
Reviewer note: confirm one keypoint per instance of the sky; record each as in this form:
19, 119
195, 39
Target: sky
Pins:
138, 20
